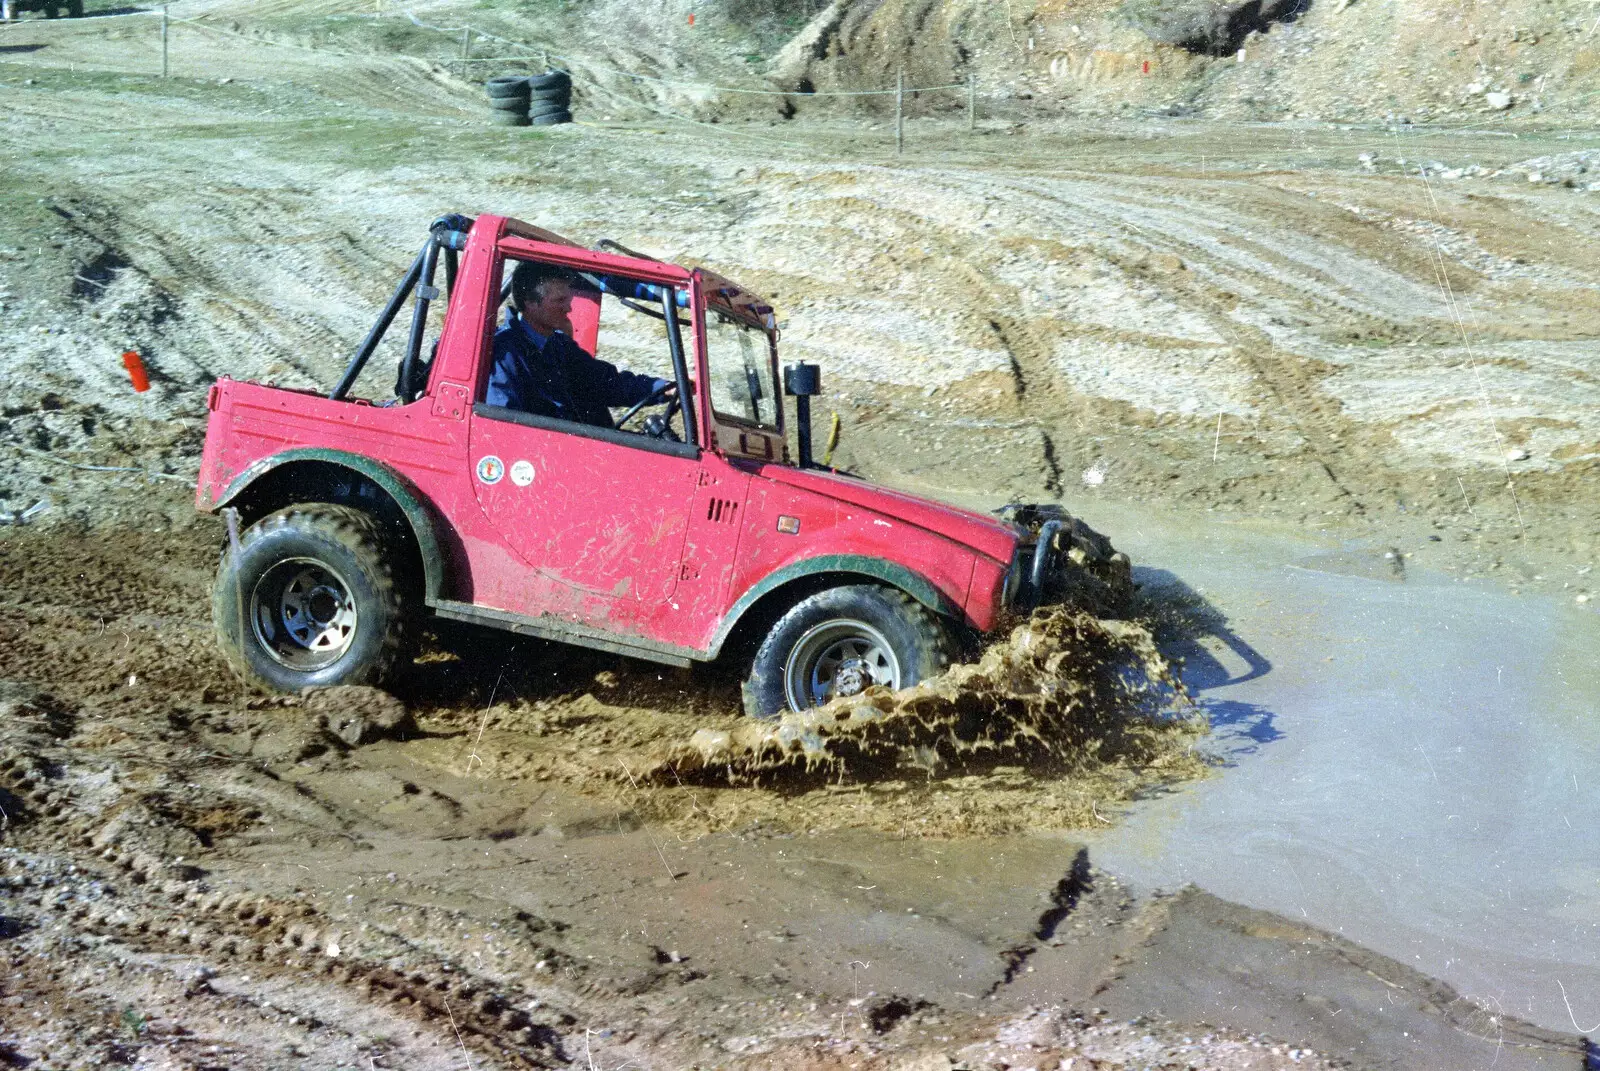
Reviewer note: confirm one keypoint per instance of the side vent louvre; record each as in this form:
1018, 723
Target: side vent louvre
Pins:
722, 510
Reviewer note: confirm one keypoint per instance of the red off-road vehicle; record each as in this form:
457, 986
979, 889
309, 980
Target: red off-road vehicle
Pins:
692, 532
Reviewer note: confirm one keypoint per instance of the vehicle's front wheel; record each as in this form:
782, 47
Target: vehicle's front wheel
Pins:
841, 641
310, 600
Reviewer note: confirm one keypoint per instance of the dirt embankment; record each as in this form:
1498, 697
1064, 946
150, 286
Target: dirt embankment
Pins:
1362, 61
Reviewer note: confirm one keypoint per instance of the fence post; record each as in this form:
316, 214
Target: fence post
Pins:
164, 67
900, 111
972, 102
466, 51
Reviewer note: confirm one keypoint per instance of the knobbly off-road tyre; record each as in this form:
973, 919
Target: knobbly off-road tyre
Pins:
882, 620
552, 119
506, 86
310, 600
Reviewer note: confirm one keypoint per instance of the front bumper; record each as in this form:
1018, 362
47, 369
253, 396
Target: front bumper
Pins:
1062, 560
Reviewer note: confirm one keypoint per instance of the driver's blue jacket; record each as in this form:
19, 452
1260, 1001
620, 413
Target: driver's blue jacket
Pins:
553, 377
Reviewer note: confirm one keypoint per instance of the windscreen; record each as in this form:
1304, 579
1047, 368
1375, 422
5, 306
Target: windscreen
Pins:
742, 382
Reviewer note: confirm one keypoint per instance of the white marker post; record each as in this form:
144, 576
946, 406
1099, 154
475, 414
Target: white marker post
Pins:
900, 111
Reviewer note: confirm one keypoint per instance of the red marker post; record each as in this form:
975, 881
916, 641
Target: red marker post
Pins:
135, 366
691, 18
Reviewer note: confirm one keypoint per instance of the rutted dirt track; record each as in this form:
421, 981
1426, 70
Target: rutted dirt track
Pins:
198, 877
1242, 320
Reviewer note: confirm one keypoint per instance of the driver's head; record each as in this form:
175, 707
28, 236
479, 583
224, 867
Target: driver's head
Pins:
542, 296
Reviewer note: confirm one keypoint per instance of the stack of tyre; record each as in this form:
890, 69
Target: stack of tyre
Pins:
550, 98
9, 9
540, 100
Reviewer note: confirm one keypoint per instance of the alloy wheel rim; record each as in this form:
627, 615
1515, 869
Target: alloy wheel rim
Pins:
838, 658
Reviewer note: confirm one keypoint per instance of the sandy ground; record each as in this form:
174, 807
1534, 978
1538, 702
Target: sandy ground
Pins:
1292, 322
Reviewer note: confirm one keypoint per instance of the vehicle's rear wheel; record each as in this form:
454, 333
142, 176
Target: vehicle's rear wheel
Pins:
841, 641
310, 600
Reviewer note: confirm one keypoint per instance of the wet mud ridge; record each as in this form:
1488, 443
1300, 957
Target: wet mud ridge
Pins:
105, 888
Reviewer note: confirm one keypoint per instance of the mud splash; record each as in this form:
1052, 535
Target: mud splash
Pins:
1063, 693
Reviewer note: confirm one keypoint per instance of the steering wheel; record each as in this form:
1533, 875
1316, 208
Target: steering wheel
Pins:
657, 425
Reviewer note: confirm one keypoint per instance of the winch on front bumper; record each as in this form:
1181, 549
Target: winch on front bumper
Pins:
1062, 559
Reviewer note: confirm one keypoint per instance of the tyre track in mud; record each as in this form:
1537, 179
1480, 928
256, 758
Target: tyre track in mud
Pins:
233, 304
1356, 460
1295, 396
949, 256
135, 897
1288, 381
1037, 391
1231, 263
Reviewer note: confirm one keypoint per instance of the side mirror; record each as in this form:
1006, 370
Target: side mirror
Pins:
802, 380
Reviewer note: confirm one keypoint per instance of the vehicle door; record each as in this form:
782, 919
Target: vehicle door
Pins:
599, 515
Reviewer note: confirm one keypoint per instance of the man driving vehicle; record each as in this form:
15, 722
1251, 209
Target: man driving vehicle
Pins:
539, 369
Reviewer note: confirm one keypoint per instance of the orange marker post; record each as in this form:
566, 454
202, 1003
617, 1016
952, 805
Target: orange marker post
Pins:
135, 366
691, 18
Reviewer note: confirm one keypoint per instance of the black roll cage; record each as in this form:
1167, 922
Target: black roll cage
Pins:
447, 233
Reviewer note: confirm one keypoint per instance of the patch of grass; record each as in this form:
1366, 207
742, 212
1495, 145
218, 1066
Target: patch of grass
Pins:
245, 96
134, 1022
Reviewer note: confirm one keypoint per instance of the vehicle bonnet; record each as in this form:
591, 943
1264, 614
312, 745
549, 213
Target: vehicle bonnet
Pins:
984, 534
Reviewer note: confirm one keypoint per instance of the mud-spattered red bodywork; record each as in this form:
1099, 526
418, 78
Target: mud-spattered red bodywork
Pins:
611, 540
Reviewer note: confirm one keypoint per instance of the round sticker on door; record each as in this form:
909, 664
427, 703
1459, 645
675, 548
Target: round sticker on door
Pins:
522, 473
491, 469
